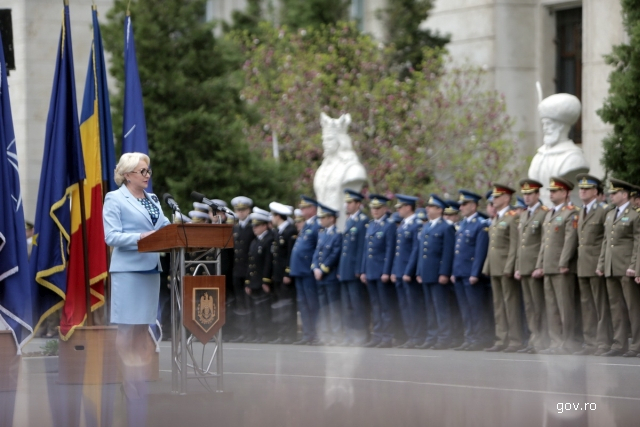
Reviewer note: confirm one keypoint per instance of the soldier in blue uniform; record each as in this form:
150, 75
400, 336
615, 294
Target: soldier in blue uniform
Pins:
452, 212
353, 291
326, 259
431, 259
421, 214
376, 267
300, 270
410, 295
471, 289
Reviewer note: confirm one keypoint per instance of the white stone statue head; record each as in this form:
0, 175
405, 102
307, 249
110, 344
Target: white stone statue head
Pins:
558, 113
335, 139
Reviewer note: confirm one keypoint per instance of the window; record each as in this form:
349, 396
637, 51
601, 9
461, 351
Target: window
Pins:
569, 59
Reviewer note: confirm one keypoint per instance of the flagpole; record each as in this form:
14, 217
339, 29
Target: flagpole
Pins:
85, 251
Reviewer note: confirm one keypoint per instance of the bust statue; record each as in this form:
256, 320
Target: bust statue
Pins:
340, 168
559, 156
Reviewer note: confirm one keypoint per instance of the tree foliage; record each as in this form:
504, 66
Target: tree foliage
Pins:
195, 117
402, 21
431, 131
620, 109
313, 13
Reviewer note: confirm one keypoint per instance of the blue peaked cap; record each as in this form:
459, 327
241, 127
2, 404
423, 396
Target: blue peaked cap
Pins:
468, 196
351, 196
407, 200
435, 200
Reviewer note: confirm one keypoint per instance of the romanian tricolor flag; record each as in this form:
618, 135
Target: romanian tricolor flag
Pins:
62, 170
74, 312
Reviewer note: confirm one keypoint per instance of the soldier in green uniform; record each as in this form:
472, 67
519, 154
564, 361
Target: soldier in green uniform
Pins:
500, 266
529, 241
557, 263
596, 317
618, 258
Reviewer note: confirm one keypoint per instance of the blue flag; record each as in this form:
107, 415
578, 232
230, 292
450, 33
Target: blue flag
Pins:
15, 285
108, 154
134, 126
62, 169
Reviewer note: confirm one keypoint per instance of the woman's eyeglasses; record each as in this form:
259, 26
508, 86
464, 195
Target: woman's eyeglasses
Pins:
143, 172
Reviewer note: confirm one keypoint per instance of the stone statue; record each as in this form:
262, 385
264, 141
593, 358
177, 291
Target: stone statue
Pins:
558, 156
341, 168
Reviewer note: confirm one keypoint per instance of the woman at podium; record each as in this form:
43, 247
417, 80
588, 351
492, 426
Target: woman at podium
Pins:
130, 214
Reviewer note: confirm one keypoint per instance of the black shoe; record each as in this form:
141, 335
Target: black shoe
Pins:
440, 346
612, 353
286, 341
408, 344
630, 353
547, 351
301, 342
241, 338
512, 349
372, 344
600, 351
584, 352
277, 341
316, 342
474, 347
525, 350
496, 348
425, 346
463, 347
384, 345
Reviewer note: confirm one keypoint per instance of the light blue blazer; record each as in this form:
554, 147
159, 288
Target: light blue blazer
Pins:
124, 220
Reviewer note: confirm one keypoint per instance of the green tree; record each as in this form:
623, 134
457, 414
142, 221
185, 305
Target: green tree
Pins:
431, 131
196, 120
620, 109
402, 19
313, 13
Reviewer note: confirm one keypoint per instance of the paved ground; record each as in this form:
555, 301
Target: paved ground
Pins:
268, 385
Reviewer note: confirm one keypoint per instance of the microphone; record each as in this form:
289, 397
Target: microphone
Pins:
198, 197
168, 199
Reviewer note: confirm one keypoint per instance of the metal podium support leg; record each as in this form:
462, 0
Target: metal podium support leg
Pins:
219, 378
174, 330
183, 331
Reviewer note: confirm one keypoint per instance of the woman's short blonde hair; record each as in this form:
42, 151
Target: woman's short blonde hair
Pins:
127, 163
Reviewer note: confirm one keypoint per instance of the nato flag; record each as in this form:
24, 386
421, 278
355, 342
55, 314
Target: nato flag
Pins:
16, 288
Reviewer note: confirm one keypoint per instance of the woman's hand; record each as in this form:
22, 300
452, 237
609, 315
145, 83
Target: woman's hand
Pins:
146, 233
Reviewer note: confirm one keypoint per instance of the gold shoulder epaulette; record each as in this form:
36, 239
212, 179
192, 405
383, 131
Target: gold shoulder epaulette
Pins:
544, 208
511, 213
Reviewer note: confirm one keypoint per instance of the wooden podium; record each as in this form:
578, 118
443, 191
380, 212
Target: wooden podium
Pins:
197, 303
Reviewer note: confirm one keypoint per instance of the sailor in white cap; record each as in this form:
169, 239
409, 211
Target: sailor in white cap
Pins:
258, 284
242, 238
200, 214
284, 309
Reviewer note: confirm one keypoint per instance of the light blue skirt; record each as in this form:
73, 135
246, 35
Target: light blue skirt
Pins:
134, 298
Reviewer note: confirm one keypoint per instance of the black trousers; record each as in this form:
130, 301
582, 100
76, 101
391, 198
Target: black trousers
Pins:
283, 310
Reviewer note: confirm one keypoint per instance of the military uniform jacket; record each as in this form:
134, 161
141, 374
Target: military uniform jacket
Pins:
242, 238
281, 249
560, 240
530, 239
380, 248
620, 244
472, 243
327, 254
302, 253
590, 237
432, 254
353, 247
503, 245
406, 233
260, 262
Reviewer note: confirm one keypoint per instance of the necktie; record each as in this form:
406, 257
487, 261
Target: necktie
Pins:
528, 213
586, 211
